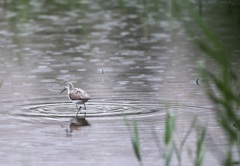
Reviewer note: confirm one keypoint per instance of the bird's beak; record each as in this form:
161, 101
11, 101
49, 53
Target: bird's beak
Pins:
63, 90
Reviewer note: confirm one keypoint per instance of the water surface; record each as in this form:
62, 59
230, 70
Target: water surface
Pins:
126, 55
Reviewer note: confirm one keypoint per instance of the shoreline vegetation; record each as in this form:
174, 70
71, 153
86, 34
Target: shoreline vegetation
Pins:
218, 41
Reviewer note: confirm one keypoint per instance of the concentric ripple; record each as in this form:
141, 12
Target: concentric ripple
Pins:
109, 109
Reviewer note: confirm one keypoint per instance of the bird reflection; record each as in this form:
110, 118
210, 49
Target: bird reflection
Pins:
75, 124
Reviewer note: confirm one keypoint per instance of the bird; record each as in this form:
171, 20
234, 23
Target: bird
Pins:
76, 95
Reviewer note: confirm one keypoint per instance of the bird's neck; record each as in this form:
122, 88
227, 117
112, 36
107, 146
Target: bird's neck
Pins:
69, 89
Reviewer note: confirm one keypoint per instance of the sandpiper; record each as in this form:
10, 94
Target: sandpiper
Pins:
76, 95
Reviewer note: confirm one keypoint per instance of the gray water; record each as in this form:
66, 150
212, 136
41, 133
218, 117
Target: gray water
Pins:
127, 56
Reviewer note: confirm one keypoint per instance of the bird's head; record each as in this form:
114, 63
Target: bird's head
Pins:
68, 86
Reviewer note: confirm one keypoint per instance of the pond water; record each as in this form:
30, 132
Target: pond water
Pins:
126, 55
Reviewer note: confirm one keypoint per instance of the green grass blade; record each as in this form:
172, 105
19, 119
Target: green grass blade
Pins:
136, 142
200, 149
134, 138
169, 127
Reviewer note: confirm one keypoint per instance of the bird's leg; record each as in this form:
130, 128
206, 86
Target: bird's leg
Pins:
79, 110
84, 109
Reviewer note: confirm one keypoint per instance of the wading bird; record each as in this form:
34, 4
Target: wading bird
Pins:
76, 95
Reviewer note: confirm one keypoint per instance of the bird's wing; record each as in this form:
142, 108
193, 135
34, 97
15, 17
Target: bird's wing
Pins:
79, 94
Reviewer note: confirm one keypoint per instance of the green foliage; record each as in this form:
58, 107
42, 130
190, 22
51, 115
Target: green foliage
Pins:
237, 124
169, 127
135, 141
200, 150
170, 147
170, 124
228, 160
221, 85
224, 95
169, 155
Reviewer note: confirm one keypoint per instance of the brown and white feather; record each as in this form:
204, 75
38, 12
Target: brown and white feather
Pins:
78, 94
